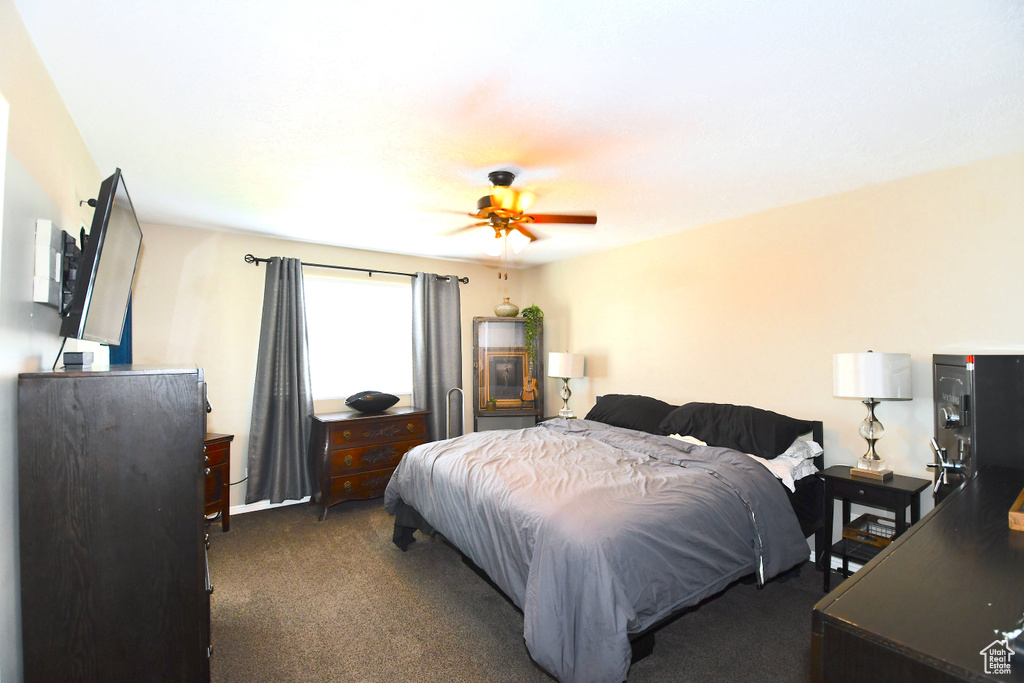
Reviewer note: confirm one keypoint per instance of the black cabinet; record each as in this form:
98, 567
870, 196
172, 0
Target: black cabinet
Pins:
895, 494
114, 579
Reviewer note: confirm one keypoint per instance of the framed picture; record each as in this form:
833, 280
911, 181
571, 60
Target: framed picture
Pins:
505, 378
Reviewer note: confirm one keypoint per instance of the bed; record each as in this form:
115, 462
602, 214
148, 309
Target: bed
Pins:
601, 529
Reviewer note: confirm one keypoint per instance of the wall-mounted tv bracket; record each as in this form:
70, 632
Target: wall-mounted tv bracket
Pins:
71, 255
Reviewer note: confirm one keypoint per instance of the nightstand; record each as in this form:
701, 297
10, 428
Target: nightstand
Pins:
894, 495
217, 457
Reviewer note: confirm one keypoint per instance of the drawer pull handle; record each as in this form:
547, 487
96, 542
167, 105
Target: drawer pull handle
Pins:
347, 434
206, 458
411, 426
860, 492
348, 486
348, 461
207, 471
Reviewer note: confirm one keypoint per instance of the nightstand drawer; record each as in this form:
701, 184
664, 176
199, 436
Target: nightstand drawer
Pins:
217, 454
216, 488
863, 494
369, 457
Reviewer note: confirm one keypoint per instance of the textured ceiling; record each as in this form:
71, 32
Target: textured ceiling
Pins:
357, 123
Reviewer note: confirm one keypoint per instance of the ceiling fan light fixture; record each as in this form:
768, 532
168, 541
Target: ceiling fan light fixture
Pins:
501, 178
503, 198
517, 240
524, 200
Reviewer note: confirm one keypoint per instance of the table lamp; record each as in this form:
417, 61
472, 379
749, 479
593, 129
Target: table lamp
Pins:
567, 366
872, 377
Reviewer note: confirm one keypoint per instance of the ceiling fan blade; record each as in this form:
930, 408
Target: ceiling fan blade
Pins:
461, 229
579, 219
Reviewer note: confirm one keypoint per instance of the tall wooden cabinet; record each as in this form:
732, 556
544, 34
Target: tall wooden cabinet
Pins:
114, 578
507, 370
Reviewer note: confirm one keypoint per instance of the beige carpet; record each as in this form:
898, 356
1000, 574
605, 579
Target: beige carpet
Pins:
299, 600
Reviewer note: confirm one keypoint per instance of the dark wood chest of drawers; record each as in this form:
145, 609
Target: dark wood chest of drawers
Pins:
114, 577
353, 454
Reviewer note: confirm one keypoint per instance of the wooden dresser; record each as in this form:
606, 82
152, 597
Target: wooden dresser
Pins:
353, 454
217, 456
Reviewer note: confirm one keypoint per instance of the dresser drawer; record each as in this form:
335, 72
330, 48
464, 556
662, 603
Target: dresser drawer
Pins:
378, 431
361, 485
348, 460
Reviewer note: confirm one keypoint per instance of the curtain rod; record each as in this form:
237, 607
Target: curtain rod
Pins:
256, 260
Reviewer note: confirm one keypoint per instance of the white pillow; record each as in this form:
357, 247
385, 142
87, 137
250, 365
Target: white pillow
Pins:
794, 464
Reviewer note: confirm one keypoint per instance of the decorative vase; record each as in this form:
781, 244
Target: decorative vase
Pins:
506, 309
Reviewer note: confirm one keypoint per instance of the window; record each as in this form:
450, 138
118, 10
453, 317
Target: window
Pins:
360, 336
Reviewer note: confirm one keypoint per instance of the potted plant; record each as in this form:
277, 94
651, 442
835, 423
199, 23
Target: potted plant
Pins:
534, 318
491, 403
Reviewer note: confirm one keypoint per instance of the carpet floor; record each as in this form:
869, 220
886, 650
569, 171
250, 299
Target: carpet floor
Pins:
296, 599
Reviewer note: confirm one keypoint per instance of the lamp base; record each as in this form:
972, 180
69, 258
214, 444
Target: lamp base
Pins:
868, 468
566, 411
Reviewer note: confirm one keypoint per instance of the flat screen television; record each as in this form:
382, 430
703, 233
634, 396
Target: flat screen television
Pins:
103, 285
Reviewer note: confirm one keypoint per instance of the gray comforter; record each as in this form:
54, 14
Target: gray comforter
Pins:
597, 532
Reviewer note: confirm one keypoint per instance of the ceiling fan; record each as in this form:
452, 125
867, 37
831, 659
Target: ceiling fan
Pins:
505, 212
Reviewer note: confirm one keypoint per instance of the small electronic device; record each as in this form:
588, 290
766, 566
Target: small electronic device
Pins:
77, 358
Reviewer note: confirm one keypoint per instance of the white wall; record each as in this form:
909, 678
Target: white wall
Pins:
30, 342
751, 310
48, 169
8, 528
747, 311
197, 301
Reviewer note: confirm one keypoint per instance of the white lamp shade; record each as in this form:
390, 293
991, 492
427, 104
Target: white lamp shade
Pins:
490, 244
517, 240
883, 376
565, 365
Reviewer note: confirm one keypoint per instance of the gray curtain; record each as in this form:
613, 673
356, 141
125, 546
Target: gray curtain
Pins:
437, 349
282, 399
